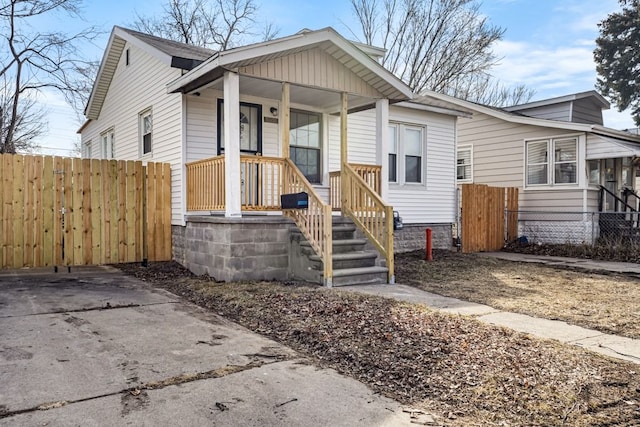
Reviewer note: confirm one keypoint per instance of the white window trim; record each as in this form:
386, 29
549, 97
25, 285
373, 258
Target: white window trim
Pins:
400, 155
141, 116
87, 149
109, 143
551, 162
470, 149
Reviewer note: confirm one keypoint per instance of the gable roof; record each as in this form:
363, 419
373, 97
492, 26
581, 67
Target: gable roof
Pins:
172, 48
353, 58
515, 117
171, 53
591, 94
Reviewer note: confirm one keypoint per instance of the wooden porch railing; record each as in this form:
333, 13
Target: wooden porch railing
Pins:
369, 173
205, 184
370, 213
315, 222
261, 181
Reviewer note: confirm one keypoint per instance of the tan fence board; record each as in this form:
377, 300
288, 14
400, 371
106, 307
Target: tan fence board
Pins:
131, 213
18, 211
97, 222
38, 211
46, 255
7, 210
151, 211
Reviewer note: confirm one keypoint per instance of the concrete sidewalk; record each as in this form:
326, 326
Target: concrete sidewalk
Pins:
610, 345
590, 265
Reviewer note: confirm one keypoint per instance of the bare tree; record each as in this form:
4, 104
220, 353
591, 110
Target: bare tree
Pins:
31, 61
219, 25
486, 90
439, 45
29, 122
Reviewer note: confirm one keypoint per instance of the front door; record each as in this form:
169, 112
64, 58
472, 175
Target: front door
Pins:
250, 144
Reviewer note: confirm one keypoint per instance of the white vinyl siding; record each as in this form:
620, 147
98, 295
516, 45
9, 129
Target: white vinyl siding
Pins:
313, 68
134, 88
201, 128
562, 200
432, 201
499, 159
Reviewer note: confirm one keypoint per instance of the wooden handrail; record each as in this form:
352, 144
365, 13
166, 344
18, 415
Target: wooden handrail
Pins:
370, 214
371, 174
315, 222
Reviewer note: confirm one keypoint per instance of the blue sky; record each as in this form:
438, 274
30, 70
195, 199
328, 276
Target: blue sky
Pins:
548, 45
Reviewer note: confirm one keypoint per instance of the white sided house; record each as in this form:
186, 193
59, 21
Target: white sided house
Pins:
310, 113
576, 176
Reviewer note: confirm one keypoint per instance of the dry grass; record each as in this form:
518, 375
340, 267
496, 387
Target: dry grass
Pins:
465, 372
605, 302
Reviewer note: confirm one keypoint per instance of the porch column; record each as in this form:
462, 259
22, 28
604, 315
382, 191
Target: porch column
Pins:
231, 105
285, 118
344, 154
382, 144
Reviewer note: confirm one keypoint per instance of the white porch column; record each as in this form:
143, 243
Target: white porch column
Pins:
231, 108
382, 144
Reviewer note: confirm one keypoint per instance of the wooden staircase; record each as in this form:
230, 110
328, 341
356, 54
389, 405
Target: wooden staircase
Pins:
354, 261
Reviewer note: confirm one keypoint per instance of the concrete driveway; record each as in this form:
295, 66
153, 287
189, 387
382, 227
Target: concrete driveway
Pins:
95, 347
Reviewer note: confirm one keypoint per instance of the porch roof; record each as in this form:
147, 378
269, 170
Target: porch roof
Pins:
607, 147
327, 39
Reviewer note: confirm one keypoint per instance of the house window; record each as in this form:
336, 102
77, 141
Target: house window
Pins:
593, 169
87, 149
565, 161
406, 153
393, 153
305, 142
250, 127
560, 168
146, 128
108, 144
464, 171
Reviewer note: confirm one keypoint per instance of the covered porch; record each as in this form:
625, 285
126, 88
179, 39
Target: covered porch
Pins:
316, 72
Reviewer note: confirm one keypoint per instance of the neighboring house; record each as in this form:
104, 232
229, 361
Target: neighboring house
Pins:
244, 126
561, 157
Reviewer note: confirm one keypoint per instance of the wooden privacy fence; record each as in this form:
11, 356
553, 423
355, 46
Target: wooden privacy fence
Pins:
486, 211
70, 211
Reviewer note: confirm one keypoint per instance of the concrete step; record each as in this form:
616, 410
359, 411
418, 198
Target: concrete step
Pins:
360, 276
356, 259
343, 231
339, 246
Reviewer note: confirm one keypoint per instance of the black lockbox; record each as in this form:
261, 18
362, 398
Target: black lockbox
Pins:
294, 201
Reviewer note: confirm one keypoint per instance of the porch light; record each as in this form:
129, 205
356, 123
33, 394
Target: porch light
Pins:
273, 111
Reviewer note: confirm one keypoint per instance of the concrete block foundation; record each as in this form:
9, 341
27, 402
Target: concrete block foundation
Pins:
233, 249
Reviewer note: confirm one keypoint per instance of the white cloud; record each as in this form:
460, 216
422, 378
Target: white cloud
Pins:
541, 67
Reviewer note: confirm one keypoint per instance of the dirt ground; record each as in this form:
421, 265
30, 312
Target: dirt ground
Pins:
605, 302
464, 372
